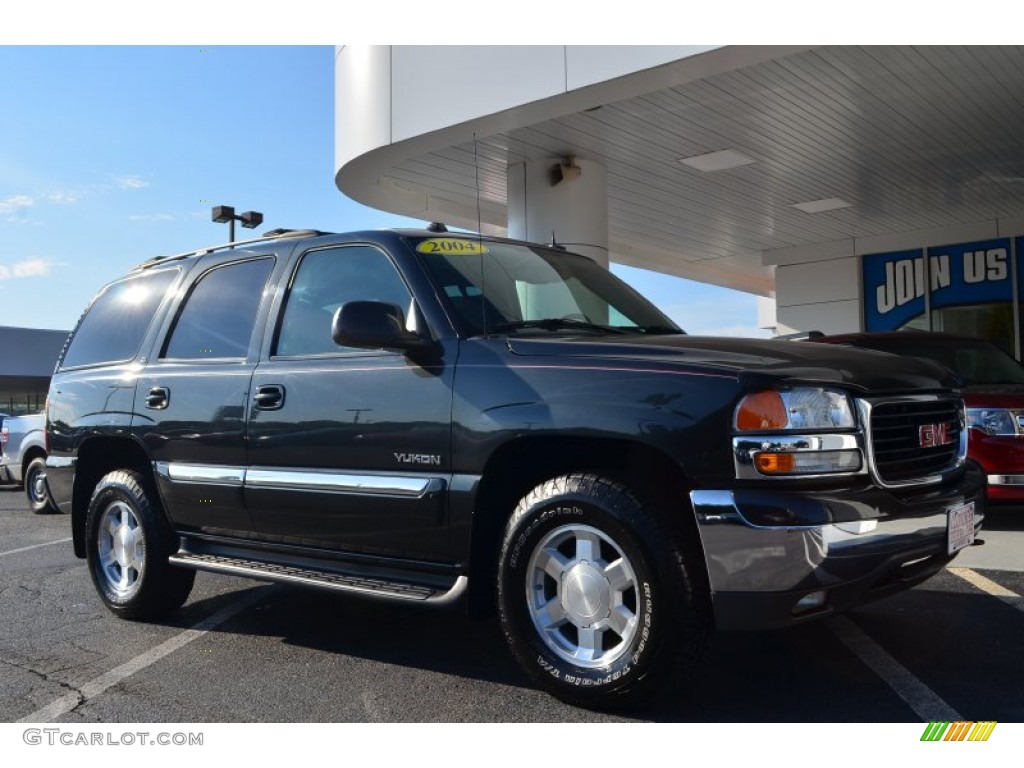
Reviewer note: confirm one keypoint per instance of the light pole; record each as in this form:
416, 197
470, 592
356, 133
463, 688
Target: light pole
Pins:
225, 213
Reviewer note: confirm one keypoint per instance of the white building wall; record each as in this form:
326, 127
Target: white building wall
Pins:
398, 102
590, 64
362, 118
439, 86
819, 287
766, 319
819, 296
435, 87
573, 212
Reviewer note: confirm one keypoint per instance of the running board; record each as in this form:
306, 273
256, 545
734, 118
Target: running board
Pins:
319, 579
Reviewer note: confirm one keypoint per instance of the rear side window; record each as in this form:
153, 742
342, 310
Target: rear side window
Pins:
218, 316
114, 326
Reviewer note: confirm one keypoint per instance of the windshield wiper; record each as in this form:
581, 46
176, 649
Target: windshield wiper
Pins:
553, 324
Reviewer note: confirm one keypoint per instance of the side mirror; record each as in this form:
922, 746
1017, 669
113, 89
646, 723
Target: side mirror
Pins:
376, 325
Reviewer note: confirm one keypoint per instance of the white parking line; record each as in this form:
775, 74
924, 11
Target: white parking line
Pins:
919, 697
34, 546
988, 586
98, 685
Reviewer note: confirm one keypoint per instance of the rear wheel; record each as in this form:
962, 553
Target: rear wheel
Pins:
596, 596
36, 491
129, 542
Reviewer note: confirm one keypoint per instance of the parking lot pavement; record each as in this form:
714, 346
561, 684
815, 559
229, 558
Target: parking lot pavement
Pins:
244, 651
1004, 542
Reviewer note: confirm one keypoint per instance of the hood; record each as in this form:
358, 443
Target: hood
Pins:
994, 396
756, 362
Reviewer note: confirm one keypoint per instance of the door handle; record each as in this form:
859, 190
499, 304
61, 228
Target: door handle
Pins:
269, 397
158, 398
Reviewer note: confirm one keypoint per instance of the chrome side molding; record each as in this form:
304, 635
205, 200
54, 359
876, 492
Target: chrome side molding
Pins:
314, 480
208, 474
341, 482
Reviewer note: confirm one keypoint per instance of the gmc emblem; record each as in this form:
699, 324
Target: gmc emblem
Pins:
934, 435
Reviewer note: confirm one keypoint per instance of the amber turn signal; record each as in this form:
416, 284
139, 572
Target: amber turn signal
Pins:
775, 463
761, 410
807, 462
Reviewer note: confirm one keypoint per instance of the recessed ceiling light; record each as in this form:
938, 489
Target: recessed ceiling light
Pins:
717, 161
820, 206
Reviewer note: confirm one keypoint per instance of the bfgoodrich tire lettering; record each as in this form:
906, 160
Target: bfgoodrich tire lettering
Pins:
128, 542
595, 596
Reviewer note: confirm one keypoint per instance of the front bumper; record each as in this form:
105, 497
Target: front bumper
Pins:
1008, 488
855, 545
1002, 457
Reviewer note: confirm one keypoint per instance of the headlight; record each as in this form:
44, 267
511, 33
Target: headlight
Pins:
993, 421
803, 408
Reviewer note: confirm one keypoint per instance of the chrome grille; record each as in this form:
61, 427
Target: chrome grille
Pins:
898, 431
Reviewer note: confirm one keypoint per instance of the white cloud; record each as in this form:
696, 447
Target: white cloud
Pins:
14, 203
65, 197
130, 182
33, 267
152, 217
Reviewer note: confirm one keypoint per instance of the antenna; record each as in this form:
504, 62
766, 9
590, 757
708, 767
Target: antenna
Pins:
480, 239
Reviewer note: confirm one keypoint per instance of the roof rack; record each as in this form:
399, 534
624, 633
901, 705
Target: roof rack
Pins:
273, 234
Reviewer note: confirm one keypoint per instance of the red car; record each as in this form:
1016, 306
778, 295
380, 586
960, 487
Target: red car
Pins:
993, 393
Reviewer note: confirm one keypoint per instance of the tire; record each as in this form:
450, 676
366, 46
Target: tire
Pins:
128, 541
35, 488
596, 598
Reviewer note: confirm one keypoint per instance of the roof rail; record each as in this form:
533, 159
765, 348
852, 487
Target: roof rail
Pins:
273, 234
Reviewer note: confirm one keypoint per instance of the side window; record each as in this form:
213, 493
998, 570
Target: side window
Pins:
325, 280
114, 326
218, 316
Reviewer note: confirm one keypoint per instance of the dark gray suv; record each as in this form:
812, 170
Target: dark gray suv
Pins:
437, 419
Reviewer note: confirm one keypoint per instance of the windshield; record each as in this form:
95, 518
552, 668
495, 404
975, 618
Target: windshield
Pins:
977, 362
531, 289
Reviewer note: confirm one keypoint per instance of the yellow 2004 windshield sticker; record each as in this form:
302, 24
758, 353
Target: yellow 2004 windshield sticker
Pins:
451, 246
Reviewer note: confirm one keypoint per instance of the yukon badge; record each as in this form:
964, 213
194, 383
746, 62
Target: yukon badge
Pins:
934, 435
429, 459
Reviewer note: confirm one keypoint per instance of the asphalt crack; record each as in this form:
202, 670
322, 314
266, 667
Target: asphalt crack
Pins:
47, 677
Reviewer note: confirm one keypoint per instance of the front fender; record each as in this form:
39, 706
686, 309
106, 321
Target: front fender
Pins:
685, 414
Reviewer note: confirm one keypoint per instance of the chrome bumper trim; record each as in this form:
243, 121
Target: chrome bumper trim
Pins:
746, 447
743, 557
1006, 479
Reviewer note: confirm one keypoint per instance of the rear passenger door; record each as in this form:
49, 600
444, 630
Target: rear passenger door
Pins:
191, 399
349, 449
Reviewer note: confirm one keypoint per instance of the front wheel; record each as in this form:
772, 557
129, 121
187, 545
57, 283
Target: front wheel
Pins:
36, 491
596, 597
129, 542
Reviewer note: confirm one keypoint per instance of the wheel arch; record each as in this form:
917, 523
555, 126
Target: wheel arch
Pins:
34, 452
518, 466
96, 457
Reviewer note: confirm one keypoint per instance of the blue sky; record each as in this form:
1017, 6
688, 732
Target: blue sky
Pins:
109, 156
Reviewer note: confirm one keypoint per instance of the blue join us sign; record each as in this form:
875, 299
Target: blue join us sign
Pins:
958, 275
